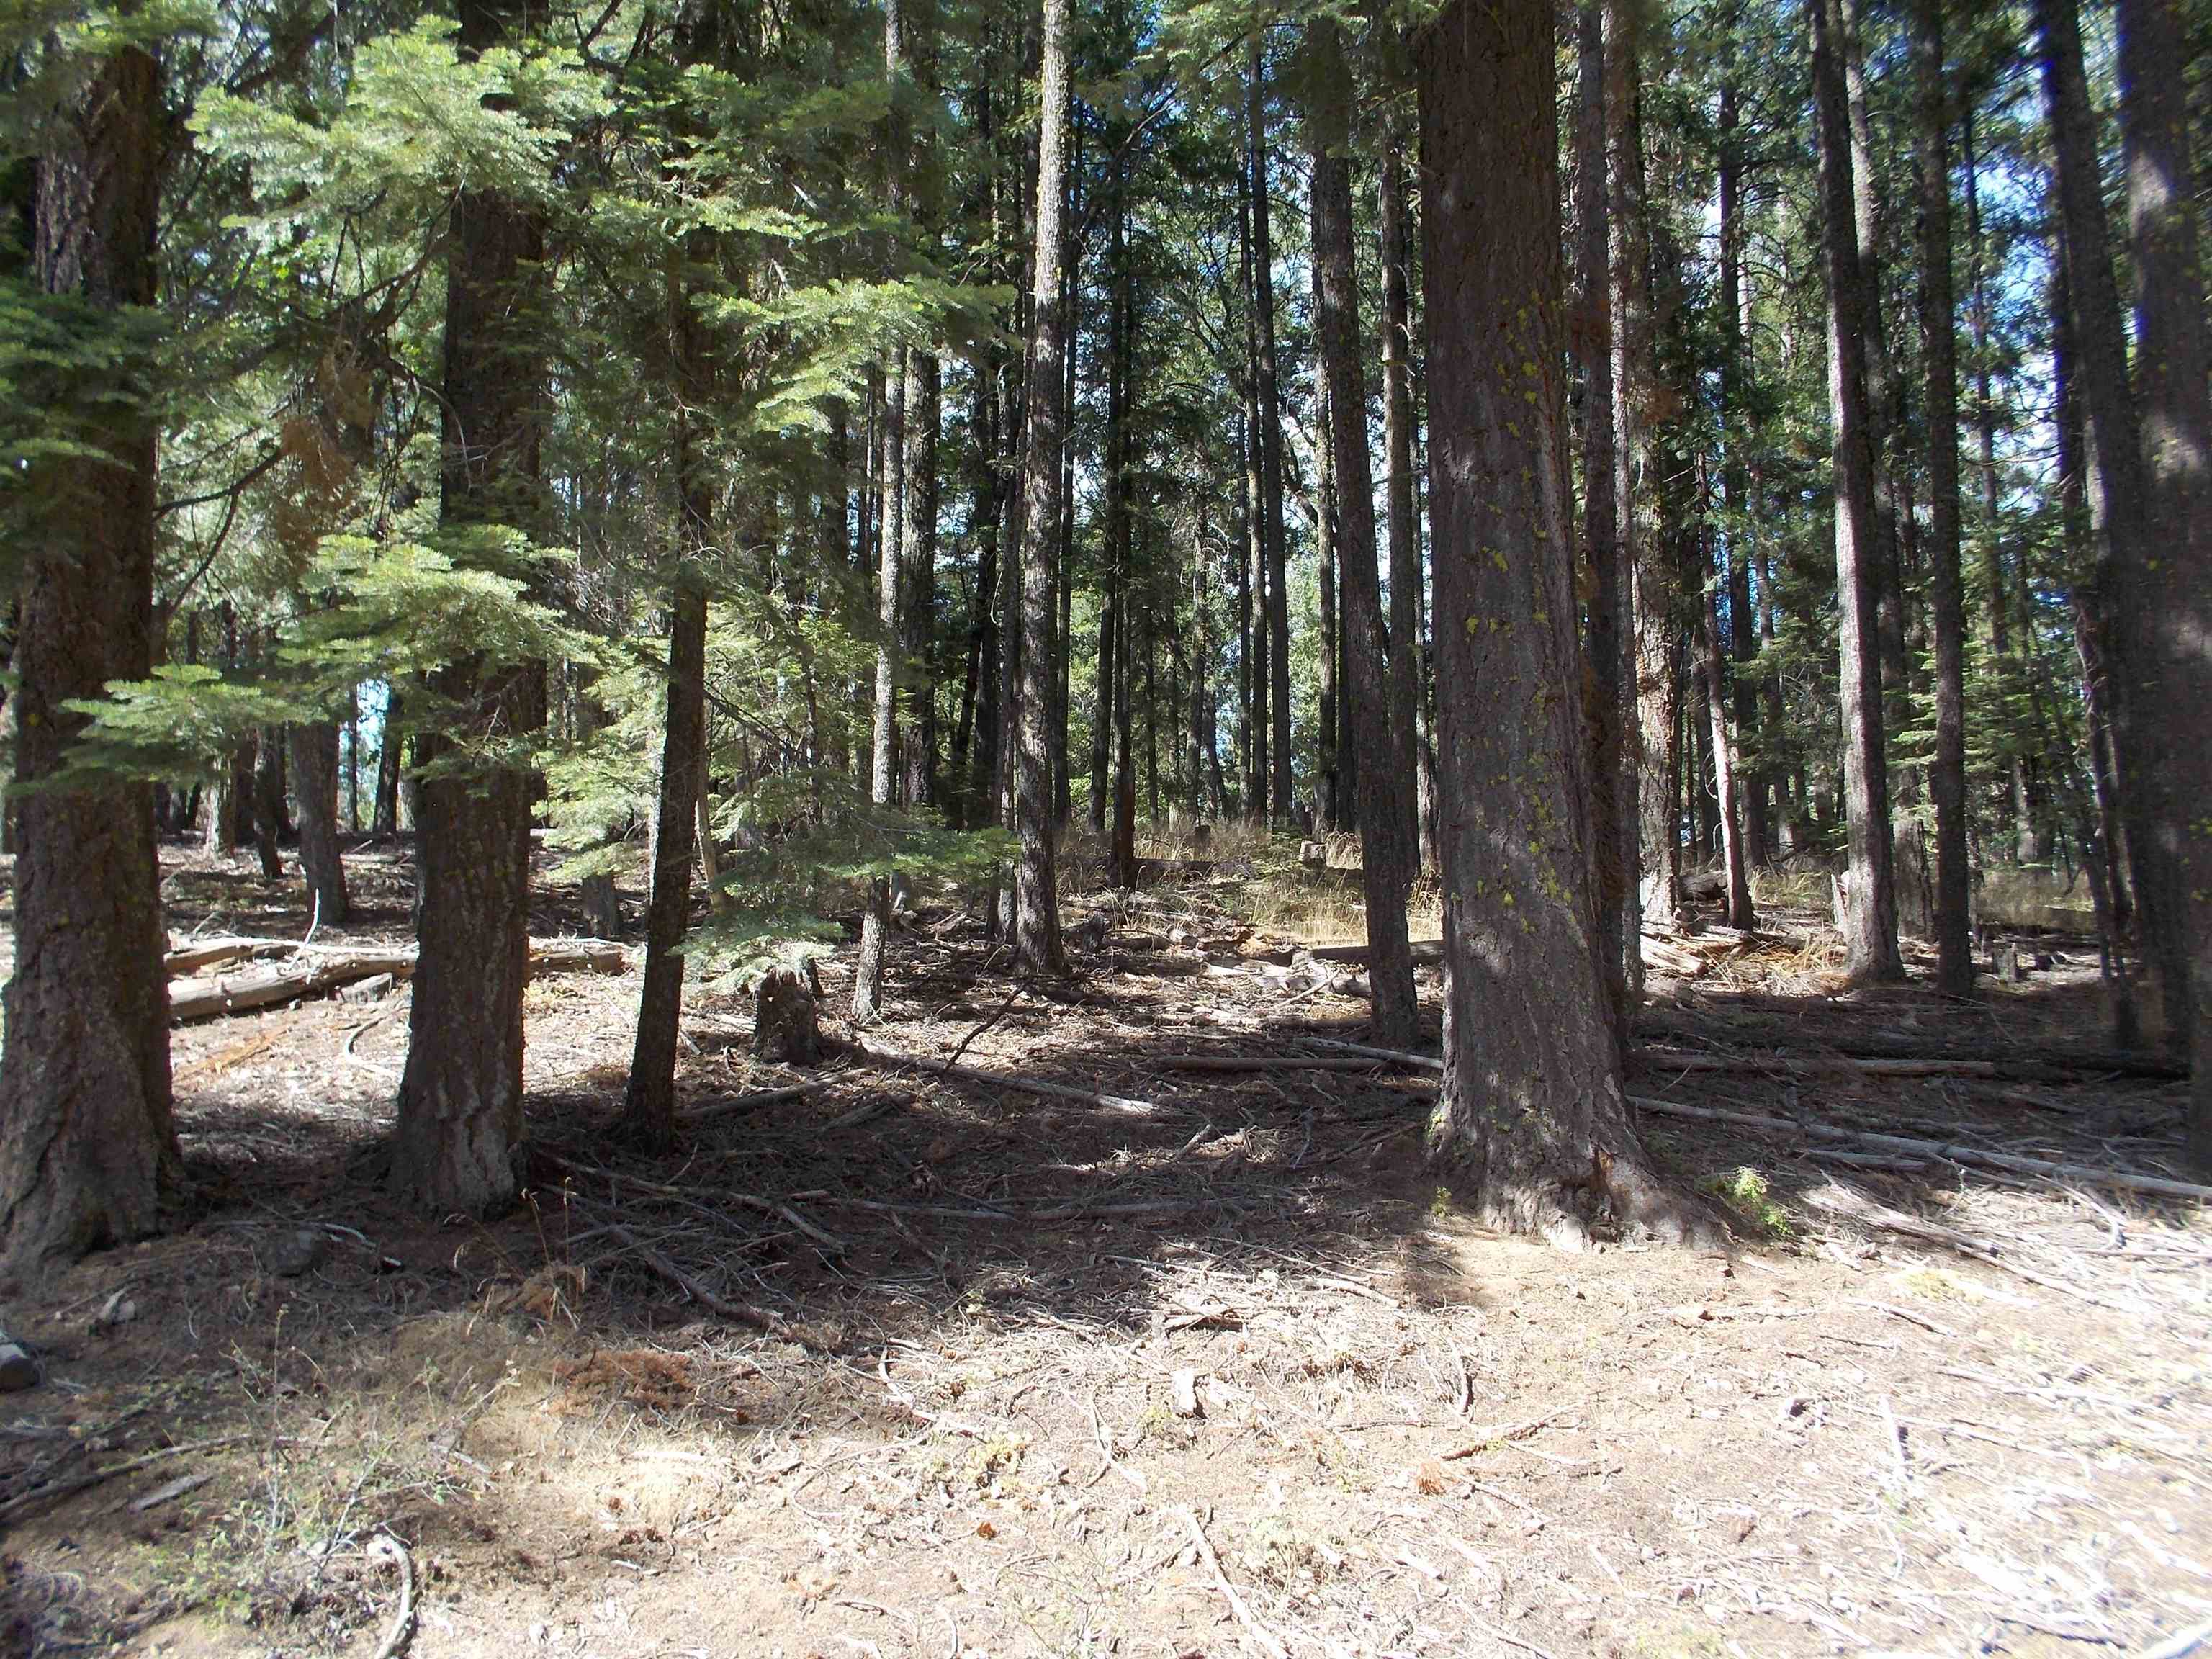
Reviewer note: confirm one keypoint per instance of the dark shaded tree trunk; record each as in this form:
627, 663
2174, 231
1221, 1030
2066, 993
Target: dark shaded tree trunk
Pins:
882, 750
1408, 701
1628, 300
1532, 1120
88, 1148
314, 753
1871, 938
1273, 530
390, 746
1333, 801
2171, 597
1383, 726
679, 821
2129, 581
269, 801
1606, 638
1954, 944
1036, 941
460, 1095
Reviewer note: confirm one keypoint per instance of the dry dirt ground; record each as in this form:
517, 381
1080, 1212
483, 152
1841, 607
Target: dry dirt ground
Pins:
1213, 1369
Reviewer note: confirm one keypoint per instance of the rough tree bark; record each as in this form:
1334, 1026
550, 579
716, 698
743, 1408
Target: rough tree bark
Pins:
1870, 913
1038, 948
314, 751
2130, 580
88, 1145
1402, 510
1628, 303
460, 1095
649, 1097
1272, 528
1606, 638
1954, 944
1385, 800
1531, 1120
2170, 599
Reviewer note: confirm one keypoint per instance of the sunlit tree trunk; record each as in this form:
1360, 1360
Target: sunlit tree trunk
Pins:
1383, 732
1037, 901
1532, 1122
1954, 944
1272, 528
1871, 938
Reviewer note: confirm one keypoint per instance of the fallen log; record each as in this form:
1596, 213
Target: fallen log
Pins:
1260, 1063
1427, 952
1399, 1056
1678, 1061
216, 953
324, 971
265, 988
1944, 1152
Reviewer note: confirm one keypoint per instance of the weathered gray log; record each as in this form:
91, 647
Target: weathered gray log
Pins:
317, 973
1947, 1152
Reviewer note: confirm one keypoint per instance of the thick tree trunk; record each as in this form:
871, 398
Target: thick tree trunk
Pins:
1607, 637
1384, 732
2170, 599
1272, 528
1871, 913
1955, 945
460, 1095
88, 1145
1038, 947
2131, 583
315, 750
1532, 1119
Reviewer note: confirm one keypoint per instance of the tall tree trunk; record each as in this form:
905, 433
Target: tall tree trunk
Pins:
1871, 913
2170, 599
1727, 785
460, 1095
1885, 387
1250, 718
315, 750
2130, 581
1254, 488
1633, 371
924, 404
88, 1143
1388, 850
268, 802
1606, 638
1333, 804
1038, 947
2027, 845
1736, 424
1532, 1120
882, 755
649, 1098
1112, 578
1955, 945
1272, 528
1408, 701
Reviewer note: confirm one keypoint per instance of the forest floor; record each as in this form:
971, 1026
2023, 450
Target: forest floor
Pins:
1208, 1368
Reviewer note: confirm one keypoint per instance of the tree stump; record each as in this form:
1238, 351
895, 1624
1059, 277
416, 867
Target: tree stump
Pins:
787, 1025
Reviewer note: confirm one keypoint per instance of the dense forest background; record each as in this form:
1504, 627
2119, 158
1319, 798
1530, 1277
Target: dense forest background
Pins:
845, 448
